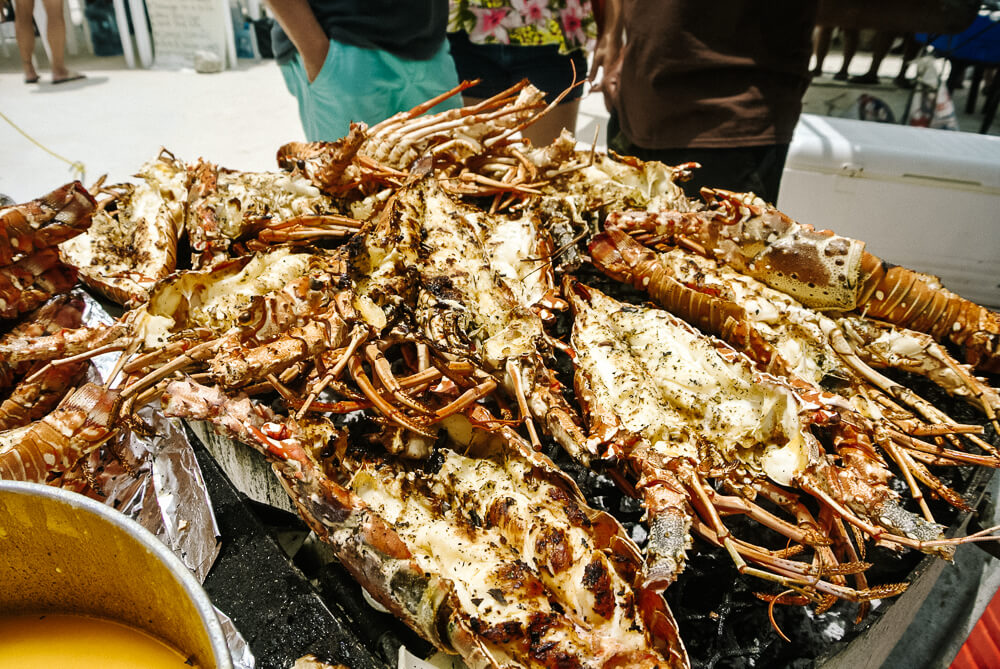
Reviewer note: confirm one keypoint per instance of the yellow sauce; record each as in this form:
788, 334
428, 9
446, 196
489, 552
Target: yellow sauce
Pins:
48, 641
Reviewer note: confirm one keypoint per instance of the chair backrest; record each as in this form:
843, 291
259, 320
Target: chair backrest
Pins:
6, 26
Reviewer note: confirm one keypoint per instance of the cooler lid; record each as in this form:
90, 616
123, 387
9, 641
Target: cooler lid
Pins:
866, 149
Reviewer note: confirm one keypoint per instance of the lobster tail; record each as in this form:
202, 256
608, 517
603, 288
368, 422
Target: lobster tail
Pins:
45, 222
919, 302
367, 546
619, 256
54, 445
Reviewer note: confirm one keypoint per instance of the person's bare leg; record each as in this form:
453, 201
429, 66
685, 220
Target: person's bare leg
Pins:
911, 47
546, 129
881, 44
850, 48
56, 34
24, 30
821, 47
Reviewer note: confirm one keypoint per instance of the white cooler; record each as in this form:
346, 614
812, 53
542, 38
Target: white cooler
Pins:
925, 199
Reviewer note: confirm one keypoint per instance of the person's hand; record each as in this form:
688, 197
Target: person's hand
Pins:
299, 22
313, 57
609, 59
605, 71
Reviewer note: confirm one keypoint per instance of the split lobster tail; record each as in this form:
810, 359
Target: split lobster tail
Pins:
527, 576
365, 544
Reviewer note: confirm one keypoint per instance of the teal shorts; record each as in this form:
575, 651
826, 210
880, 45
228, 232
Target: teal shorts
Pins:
366, 85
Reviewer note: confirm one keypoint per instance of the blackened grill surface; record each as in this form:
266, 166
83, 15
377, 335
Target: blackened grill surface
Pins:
269, 600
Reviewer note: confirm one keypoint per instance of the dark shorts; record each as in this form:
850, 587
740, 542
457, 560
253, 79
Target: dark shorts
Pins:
755, 169
500, 66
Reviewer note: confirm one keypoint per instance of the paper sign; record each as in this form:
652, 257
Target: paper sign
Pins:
183, 27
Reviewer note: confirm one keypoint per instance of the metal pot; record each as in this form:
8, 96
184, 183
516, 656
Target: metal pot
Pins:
64, 553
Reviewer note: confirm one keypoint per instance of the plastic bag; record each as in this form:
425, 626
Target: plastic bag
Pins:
931, 105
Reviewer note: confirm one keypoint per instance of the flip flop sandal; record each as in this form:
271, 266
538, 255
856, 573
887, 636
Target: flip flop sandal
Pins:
868, 79
32, 80
72, 77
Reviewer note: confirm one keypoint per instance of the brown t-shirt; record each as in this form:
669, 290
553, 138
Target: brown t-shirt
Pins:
714, 73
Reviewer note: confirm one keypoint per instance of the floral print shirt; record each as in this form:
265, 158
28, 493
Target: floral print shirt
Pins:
568, 23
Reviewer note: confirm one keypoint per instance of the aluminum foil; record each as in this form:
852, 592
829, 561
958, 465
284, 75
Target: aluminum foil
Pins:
408, 660
238, 648
152, 476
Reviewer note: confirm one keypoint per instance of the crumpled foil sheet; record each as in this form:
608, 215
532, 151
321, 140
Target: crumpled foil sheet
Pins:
238, 648
158, 483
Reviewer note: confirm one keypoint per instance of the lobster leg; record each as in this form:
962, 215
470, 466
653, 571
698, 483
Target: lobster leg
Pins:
803, 534
384, 373
514, 374
309, 228
62, 344
892, 513
238, 366
385, 408
824, 556
197, 353
701, 499
795, 575
893, 389
944, 455
918, 353
668, 516
848, 552
466, 399
359, 335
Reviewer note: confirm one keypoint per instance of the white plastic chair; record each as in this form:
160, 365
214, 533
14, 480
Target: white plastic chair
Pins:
7, 35
142, 40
